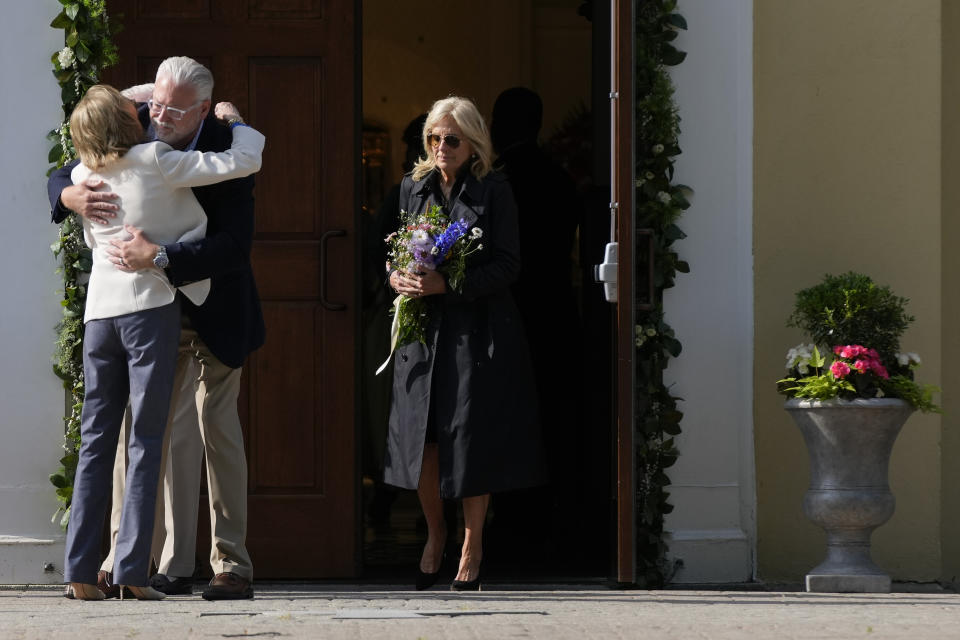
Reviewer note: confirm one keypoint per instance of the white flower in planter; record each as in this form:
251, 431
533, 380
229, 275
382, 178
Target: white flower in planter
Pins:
799, 357
909, 359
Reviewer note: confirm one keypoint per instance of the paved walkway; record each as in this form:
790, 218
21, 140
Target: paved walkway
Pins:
318, 610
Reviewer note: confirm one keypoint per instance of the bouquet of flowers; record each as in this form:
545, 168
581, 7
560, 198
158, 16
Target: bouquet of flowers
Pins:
427, 241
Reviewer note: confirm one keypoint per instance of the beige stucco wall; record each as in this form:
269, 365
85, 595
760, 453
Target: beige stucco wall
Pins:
847, 176
950, 288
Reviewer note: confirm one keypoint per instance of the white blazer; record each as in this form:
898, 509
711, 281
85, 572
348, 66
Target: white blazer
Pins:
153, 181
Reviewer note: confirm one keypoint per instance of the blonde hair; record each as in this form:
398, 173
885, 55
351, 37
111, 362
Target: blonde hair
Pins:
468, 118
102, 127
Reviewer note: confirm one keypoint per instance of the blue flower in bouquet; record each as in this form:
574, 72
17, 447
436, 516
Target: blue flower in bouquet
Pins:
449, 237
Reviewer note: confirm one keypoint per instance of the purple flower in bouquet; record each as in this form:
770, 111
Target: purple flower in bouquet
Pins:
420, 245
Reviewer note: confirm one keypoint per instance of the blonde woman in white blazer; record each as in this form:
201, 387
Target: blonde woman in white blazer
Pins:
132, 325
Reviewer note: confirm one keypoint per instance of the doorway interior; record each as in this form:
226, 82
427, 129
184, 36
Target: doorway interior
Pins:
412, 54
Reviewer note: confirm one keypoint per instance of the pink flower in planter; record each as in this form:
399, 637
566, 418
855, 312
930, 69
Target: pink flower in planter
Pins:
854, 351
879, 369
840, 369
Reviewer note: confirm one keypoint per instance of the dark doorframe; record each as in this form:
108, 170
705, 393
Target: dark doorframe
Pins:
613, 133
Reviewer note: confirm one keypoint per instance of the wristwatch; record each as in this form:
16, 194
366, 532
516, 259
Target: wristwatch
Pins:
232, 120
161, 261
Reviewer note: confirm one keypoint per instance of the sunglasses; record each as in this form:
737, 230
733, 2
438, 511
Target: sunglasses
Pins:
451, 140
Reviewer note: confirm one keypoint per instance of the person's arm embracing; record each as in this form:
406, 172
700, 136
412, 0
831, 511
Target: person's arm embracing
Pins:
230, 227
225, 248
96, 206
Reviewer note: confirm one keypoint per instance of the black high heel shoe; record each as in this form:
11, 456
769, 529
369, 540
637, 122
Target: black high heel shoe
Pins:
426, 580
466, 585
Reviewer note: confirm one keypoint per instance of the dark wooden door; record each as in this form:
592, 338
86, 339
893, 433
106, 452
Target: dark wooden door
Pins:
290, 66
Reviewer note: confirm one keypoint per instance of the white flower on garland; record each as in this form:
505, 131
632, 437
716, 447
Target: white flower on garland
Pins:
663, 197
66, 58
643, 334
657, 149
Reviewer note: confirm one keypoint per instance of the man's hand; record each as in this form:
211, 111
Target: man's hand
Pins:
139, 93
134, 253
95, 206
226, 110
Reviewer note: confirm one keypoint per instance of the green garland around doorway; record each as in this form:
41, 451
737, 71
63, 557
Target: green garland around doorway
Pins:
88, 48
659, 204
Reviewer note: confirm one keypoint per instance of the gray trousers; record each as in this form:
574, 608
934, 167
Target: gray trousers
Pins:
132, 355
202, 385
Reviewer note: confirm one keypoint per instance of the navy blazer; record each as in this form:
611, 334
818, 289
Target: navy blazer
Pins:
230, 322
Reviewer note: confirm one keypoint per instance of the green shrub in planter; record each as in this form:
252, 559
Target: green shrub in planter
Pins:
852, 309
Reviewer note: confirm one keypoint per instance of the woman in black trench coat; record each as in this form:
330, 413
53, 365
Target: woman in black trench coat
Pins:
463, 416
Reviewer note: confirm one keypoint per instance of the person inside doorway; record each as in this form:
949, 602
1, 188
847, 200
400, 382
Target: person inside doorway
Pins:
530, 527
463, 416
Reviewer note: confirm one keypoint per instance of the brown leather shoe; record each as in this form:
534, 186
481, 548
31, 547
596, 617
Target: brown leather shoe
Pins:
228, 586
110, 590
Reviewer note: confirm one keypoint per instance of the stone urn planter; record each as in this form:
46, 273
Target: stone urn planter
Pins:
849, 442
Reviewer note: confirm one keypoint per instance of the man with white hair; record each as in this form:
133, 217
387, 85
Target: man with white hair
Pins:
215, 339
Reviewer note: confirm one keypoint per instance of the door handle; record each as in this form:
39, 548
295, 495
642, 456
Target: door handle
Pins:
330, 306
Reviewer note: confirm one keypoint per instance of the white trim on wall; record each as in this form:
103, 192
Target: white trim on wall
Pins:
32, 418
713, 527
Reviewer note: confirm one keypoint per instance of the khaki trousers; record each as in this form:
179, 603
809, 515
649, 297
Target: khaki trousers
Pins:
203, 421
